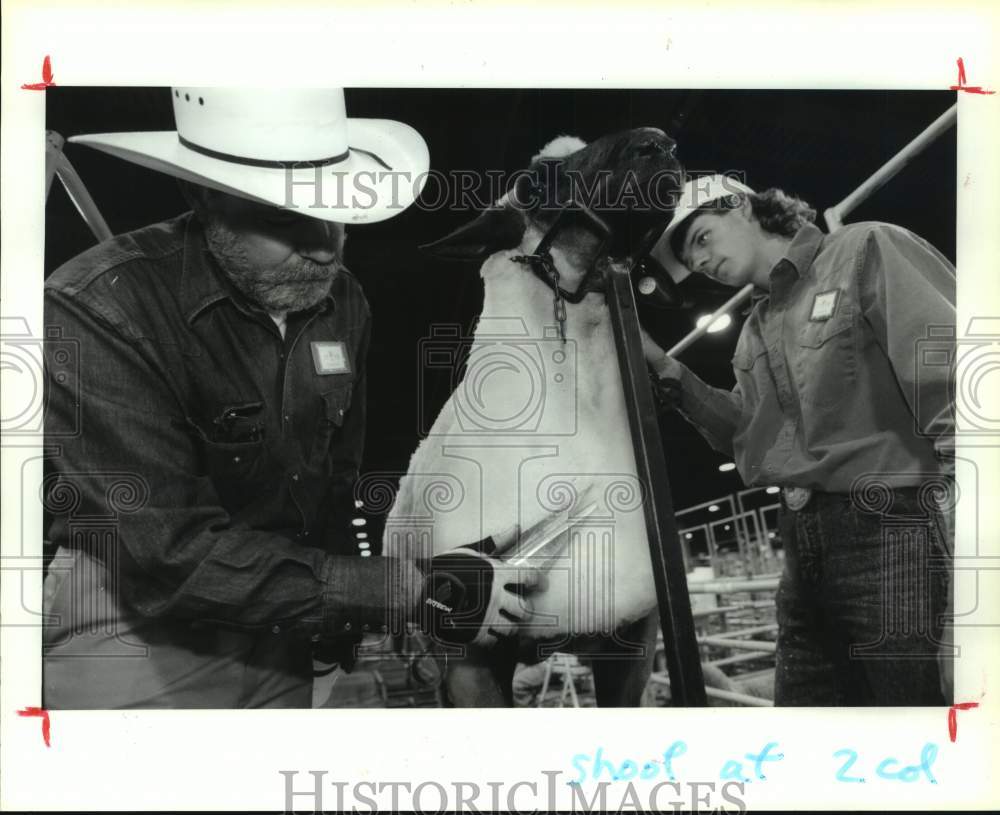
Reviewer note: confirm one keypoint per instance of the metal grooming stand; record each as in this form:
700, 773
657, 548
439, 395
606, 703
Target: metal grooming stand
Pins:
687, 685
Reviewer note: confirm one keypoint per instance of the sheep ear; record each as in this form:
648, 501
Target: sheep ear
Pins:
495, 229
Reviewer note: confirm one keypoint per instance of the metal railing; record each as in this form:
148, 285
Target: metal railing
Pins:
835, 215
58, 166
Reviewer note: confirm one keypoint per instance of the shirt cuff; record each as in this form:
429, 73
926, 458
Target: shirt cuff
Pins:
667, 391
362, 594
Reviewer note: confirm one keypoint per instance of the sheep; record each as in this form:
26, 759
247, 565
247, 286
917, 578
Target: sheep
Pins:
538, 423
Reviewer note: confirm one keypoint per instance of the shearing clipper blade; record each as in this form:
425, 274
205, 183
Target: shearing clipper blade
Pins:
545, 542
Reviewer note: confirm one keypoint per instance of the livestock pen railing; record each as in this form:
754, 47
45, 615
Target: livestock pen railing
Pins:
732, 546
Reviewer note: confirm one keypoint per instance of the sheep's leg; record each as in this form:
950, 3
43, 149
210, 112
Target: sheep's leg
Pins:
483, 678
619, 681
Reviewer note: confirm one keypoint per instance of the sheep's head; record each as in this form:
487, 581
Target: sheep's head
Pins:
629, 180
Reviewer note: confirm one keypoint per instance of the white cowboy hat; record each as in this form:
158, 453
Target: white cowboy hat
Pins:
286, 148
697, 193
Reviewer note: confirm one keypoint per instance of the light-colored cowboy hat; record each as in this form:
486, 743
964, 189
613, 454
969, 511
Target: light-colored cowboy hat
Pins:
293, 148
697, 193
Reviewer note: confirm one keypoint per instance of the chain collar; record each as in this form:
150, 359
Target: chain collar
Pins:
544, 267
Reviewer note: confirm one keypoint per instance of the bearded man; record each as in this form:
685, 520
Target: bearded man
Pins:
220, 401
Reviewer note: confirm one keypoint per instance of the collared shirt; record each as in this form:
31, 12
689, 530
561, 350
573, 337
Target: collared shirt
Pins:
225, 453
831, 384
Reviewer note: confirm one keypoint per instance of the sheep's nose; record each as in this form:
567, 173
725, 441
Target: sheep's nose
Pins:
649, 148
652, 147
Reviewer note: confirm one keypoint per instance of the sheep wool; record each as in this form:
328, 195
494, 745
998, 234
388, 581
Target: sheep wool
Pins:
560, 147
536, 426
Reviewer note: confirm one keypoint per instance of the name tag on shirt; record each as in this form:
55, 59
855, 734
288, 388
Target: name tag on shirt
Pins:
330, 358
825, 305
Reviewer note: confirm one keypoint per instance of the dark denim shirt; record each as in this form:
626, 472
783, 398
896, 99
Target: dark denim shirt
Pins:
227, 454
831, 381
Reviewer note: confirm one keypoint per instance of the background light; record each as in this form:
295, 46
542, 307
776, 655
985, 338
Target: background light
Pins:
725, 468
772, 490
721, 323
364, 545
713, 508
358, 504
688, 535
366, 553
358, 522
361, 535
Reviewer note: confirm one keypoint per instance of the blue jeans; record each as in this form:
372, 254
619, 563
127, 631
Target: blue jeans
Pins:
860, 602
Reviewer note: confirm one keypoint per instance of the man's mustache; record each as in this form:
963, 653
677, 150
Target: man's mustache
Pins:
299, 270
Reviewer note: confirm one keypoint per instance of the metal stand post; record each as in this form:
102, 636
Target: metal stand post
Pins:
687, 685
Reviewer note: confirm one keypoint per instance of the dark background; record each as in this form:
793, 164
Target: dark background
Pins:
819, 145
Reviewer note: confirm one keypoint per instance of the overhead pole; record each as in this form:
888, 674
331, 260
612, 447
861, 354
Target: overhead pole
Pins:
836, 214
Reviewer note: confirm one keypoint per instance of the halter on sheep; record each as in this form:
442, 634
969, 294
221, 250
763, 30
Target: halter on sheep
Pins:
540, 418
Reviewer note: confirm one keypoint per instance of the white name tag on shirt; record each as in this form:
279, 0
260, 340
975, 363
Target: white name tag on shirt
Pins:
330, 358
825, 304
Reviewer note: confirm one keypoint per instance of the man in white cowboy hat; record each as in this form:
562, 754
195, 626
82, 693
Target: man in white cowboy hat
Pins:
834, 404
212, 431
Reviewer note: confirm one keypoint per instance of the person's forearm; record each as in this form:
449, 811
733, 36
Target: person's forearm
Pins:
714, 412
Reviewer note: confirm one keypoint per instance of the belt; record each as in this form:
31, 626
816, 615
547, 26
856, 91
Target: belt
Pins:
796, 497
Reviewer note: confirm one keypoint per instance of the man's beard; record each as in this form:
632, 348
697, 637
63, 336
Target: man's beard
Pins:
295, 285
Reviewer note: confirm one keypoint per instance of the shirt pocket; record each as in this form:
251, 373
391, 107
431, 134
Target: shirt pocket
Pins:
825, 365
238, 470
234, 454
333, 409
746, 358
751, 371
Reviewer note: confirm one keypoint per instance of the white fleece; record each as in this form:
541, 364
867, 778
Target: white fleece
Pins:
560, 147
532, 422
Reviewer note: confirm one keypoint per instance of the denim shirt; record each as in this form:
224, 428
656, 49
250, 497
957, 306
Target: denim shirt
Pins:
831, 385
226, 454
